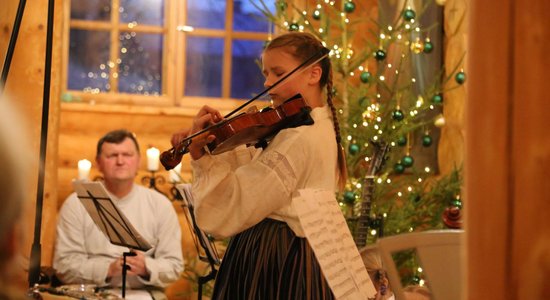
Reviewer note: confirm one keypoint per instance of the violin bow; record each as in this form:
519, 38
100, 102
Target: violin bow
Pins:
323, 52
315, 58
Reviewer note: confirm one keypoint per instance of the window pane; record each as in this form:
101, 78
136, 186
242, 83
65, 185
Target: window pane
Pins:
247, 17
246, 75
206, 14
140, 69
93, 10
204, 67
89, 60
142, 12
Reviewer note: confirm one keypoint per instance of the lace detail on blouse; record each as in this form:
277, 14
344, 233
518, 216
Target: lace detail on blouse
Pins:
278, 163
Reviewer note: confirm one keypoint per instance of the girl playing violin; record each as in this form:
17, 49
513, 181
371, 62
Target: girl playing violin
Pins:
246, 193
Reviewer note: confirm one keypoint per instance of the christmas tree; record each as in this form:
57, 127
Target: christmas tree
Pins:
390, 110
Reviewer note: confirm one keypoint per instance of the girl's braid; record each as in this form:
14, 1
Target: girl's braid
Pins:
332, 108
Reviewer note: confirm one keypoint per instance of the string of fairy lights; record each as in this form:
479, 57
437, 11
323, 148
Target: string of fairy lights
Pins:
382, 102
379, 121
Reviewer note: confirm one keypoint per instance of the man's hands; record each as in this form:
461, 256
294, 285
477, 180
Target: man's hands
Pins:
135, 263
204, 118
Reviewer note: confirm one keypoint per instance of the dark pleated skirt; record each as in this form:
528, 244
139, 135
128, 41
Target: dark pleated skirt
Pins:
268, 261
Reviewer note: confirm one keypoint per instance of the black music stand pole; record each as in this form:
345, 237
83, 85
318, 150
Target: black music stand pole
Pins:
205, 279
110, 221
202, 239
125, 268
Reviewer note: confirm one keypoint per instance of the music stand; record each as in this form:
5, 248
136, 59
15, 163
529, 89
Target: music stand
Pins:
210, 253
110, 220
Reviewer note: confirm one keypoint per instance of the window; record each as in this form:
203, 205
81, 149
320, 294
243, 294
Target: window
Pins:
168, 52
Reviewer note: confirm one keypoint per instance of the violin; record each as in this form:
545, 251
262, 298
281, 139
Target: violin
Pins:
251, 128
248, 129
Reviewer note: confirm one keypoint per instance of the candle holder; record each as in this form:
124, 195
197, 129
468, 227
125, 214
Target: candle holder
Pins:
153, 180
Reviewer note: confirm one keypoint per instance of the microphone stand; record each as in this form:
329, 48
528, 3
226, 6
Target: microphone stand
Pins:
34, 266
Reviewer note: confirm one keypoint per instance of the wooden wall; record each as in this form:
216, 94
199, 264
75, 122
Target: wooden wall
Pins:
508, 151
25, 88
81, 126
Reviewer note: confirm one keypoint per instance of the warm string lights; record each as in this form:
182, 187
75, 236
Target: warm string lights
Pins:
384, 101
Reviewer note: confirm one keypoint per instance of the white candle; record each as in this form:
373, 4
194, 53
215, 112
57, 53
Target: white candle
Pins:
84, 167
153, 159
175, 173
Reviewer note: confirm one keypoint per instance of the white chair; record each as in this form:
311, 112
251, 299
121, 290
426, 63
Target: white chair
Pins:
441, 255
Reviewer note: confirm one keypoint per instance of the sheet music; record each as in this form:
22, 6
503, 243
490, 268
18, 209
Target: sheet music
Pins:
106, 215
185, 191
329, 236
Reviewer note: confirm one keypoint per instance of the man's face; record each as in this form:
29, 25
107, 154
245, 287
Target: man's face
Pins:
118, 162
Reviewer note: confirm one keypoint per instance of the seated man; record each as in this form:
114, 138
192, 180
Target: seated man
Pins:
83, 254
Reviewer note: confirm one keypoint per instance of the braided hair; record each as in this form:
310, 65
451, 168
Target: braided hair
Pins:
303, 46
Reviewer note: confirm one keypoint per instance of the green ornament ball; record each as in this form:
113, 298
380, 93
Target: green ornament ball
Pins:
349, 197
380, 55
353, 148
365, 76
409, 14
426, 140
349, 7
460, 77
416, 279
293, 27
428, 47
398, 168
402, 141
437, 99
457, 203
398, 115
316, 15
415, 197
282, 5
407, 161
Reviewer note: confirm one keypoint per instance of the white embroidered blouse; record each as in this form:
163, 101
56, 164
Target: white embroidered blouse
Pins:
235, 190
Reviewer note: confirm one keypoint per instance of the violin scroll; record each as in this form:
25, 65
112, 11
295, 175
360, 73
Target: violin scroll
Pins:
171, 158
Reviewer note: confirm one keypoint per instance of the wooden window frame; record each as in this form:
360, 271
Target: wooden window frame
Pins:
174, 50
